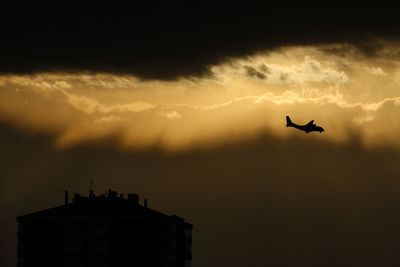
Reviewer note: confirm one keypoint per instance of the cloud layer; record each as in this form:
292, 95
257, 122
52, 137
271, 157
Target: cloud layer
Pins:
344, 91
171, 41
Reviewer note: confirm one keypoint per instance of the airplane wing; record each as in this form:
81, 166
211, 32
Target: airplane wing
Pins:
310, 123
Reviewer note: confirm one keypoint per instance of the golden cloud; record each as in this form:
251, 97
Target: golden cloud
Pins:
346, 93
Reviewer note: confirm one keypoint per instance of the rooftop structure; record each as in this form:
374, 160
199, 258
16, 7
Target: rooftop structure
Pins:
104, 230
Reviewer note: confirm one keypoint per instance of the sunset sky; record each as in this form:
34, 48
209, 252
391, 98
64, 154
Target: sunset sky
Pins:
187, 108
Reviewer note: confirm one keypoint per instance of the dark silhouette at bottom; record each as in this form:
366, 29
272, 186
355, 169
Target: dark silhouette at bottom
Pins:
106, 230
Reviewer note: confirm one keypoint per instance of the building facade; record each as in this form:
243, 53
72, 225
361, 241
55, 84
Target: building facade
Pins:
103, 231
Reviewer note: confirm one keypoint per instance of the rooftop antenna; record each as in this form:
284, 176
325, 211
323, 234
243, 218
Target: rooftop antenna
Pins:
91, 184
91, 194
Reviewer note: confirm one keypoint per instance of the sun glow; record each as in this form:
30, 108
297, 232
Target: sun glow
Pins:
346, 93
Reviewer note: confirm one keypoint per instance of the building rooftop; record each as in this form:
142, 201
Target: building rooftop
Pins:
106, 205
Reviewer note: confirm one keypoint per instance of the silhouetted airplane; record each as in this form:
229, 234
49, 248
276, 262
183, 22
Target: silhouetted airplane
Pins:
309, 127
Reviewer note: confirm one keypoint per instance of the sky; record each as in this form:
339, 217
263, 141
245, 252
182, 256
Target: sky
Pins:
187, 108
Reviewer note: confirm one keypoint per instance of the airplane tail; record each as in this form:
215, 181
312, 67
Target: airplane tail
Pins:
288, 121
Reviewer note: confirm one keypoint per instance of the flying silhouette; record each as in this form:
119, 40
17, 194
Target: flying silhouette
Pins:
309, 127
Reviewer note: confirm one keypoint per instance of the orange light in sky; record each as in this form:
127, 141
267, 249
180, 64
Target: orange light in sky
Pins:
345, 92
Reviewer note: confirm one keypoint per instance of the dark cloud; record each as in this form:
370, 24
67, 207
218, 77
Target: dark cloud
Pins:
266, 201
166, 41
254, 73
264, 69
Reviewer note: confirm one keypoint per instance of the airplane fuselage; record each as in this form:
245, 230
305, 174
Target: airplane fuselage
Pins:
310, 127
307, 128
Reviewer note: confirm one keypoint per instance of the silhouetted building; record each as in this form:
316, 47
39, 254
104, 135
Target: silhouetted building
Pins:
106, 230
